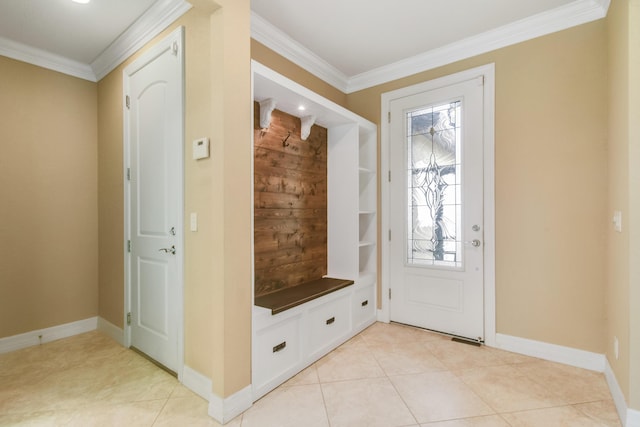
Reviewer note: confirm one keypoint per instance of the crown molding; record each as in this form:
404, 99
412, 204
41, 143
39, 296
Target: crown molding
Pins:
44, 59
150, 24
278, 41
571, 15
567, 16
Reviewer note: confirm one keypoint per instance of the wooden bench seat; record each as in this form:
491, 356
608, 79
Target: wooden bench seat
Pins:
287, 298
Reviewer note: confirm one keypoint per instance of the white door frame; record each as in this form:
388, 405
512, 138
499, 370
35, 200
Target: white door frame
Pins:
489, 188
177, 36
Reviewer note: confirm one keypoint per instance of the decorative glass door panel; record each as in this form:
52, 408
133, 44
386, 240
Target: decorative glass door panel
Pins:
434, 185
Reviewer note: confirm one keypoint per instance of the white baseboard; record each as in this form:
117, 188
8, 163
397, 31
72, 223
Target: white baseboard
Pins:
629, 417
552, 352
616, 392
111, 330
382, 316
224, 410
196, 382
41, 336
633, 418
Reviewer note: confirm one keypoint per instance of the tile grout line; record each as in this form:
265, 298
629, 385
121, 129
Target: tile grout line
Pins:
388, 378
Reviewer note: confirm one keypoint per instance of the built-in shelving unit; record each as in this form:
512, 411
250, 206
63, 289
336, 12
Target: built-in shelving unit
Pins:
287, 341
367, 205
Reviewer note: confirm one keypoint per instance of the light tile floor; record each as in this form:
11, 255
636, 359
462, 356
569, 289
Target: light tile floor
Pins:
387, 376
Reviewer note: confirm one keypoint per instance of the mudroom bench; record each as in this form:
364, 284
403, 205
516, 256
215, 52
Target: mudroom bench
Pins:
296, 326
315, 222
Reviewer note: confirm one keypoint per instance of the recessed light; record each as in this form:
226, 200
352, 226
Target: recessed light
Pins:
81, 1
301, 108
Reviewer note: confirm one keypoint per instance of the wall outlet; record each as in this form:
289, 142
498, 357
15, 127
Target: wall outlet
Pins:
201, 148
616, 348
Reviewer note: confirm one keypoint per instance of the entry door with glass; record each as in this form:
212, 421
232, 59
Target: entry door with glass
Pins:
436, 212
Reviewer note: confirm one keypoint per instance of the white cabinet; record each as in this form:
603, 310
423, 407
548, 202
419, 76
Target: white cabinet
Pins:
277, 348
363, 307
329, 324
285, 343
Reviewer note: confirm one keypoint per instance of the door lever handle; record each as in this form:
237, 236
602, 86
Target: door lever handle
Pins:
171, 250
475, 243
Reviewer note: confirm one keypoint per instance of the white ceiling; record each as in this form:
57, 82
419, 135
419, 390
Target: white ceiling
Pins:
83, 40
351, 44
79, 32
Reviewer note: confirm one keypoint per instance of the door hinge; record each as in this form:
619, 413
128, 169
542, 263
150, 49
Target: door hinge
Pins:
128, 174
127, 102
389, 234
389, 175
389, 293
128, 318
129, 246
389, 117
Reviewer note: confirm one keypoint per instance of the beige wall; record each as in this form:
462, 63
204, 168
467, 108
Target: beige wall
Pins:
218, 255
634, 204
48, 208
617, 296
623, 274
110, 200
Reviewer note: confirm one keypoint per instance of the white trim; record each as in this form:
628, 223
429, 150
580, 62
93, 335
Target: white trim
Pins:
176, 36
629, 417
150, 24
488, 71
111, 330
552, 352
41, 336
566, 16
276, 40
44, 59
616, 393
196, 382
224, 410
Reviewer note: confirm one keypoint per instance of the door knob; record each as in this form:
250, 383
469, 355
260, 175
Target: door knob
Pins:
171, 250
475, 243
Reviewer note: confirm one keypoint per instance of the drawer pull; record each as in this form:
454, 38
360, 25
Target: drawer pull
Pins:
365, 303
280, 346
330, 321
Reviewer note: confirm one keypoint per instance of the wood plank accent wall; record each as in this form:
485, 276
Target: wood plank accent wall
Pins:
290, 195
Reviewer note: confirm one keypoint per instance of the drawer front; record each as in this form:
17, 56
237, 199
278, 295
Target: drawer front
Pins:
328, 323
364, 306
276, 350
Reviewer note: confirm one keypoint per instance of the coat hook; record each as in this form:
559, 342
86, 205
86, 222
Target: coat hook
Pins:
284, 141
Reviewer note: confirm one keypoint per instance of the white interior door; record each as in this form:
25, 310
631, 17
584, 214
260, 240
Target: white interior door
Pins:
154, 132
436, 209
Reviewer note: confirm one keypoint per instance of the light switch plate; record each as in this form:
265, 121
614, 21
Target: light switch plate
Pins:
193, 221
617, 221
200, 148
